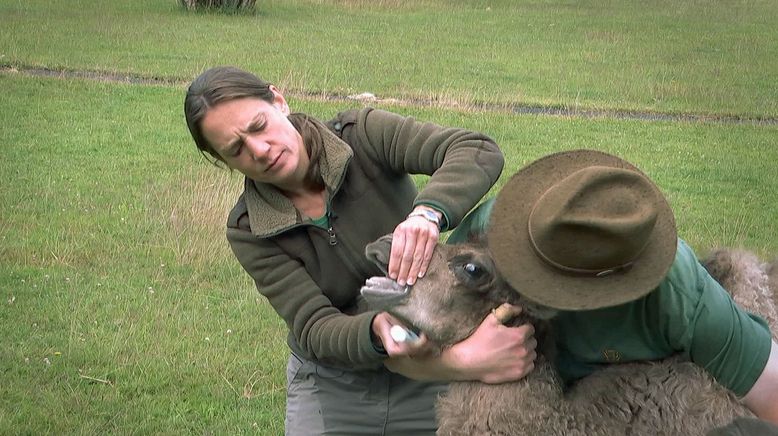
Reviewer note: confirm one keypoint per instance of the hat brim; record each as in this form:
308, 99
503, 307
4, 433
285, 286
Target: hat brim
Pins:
516, 260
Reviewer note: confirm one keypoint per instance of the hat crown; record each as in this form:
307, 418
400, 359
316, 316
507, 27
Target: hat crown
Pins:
596, 221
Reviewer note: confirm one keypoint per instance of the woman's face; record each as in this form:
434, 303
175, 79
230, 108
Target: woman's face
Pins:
256, 138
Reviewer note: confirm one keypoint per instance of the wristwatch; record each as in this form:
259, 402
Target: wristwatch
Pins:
427, 215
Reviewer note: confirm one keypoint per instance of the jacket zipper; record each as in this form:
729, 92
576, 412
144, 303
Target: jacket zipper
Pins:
330, 228
355, 265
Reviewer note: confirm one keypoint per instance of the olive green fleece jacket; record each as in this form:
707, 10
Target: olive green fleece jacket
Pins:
368, 156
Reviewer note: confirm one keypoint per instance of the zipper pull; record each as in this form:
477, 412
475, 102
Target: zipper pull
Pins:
330, 229
333, 239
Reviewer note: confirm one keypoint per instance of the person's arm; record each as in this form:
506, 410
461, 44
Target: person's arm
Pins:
463, 166
318, 327
762, 399
733, 345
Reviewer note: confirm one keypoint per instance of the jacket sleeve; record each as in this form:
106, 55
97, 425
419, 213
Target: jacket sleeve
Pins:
321, 331
463, 164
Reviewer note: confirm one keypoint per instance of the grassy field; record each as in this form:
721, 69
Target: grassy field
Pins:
676, 56
122, 308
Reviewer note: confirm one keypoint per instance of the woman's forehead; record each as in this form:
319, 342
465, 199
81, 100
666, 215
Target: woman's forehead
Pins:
224, 120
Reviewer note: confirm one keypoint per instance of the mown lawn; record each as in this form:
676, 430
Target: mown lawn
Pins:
123, 310
667, 55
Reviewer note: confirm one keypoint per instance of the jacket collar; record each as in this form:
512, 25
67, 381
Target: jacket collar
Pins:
270, 212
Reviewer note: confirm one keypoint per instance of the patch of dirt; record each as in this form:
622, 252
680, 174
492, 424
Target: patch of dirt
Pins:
367, 98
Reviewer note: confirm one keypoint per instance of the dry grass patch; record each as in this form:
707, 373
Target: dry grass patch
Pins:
194, 211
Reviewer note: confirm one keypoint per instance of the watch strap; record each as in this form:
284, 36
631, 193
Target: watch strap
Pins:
426, 214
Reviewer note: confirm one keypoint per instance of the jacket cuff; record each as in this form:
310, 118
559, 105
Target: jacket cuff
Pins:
374, 341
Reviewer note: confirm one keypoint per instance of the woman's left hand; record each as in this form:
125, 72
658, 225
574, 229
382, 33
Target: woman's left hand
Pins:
413, 243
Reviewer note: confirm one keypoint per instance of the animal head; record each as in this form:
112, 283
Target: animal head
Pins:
460, 288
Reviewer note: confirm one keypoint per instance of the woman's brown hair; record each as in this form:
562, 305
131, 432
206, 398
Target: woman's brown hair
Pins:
221, 84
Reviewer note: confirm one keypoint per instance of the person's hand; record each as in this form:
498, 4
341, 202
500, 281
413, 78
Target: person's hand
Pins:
413, 243
495, 353
382, 325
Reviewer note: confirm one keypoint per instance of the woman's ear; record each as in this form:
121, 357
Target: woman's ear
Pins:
279, 101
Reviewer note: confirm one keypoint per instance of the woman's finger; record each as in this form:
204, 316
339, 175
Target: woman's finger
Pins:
407, 257
396, 253
429, 249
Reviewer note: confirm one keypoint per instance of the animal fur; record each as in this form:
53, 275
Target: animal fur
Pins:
750, 281
670, 397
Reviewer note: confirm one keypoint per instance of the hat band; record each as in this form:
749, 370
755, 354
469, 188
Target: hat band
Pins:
580, 271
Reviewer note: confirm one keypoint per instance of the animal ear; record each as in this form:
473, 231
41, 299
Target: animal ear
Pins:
378, 252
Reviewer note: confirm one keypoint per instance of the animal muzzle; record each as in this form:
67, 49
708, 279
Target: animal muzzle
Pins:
383, 293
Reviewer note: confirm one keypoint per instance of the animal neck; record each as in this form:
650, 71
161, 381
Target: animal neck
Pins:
472, 407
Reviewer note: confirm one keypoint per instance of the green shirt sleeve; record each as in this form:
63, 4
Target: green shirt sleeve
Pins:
730, 343
474, 224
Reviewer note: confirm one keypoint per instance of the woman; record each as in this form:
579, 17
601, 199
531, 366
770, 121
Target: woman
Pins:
314, 196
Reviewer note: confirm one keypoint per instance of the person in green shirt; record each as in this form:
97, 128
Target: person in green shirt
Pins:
589, 234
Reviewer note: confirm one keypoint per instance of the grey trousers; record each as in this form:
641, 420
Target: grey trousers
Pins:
323, 400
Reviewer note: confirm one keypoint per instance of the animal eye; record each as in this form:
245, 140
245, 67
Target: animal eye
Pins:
473, 270
471, 274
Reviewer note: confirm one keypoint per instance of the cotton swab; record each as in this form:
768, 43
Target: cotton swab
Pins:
400, 334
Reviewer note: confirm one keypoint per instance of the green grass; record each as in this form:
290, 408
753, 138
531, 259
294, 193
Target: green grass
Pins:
669, 56
122, 308
116, 269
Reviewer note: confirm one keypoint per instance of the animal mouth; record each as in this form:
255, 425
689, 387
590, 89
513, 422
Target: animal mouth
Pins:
383, 293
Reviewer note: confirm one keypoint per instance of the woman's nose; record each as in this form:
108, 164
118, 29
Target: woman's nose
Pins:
257, 147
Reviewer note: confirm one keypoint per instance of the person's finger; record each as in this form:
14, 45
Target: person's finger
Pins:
407, 257
418, 258
531, 346
505, 312
429, 249
526, 332
396, 253
413, 344
421, 348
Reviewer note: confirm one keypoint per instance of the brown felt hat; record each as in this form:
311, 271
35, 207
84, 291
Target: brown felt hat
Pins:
582, 230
